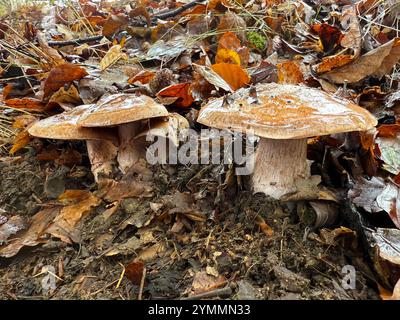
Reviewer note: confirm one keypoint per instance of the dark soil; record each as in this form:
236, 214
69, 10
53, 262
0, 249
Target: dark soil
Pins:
199, 220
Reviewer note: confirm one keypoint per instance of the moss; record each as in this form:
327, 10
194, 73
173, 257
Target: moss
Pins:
257, 40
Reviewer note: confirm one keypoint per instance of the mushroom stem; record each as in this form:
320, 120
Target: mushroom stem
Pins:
102, 154
129, 152
278, 164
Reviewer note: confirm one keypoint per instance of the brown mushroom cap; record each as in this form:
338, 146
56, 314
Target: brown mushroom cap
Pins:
64, 126
122, 108
284, 111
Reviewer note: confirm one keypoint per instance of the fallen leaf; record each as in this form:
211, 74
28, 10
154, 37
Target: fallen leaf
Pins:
30, 104
61, 75
10, 227
332, 62
352, 39
33, 235
202, 282
114, 23
64, 224
364, 193
232, 22
377, 62
389, 201
230, 50
330, 36
386, 256
126, 248
134, 272
390, 153
112, 56
143, 77
181, 91
213, 77
20, 141
65, 97
233, 74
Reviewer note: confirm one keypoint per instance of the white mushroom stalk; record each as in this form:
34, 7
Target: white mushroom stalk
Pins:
129, 151
278, 164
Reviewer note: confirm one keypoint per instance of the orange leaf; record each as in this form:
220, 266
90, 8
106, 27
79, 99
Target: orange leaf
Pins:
229, 41
143, 77
227, 56
61, 75
26, 103
20, 141
333, 62
329, 36
233, 74
388, 130
289, 72
22, 121
180, 91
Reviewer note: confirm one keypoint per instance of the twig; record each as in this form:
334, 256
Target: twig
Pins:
223, 292
177, 11
74, 41
140, 294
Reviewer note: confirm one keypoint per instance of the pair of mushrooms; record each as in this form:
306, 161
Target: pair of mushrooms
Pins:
282, 115
112, 129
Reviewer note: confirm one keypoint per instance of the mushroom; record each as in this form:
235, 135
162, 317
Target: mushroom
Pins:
126, 112
284, 116
101, 144
169, 130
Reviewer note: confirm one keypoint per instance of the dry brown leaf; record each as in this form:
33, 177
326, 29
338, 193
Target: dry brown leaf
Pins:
352, 38
234, 23
32, 236
230, 50
112, 56
377, 62
202, 282
64, 224
143, 77
114, 23
66, 97
61, 75
134, 272
329, 63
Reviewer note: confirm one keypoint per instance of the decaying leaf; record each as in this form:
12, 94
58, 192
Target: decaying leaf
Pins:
377, 63
64, 224
33, 235
134, 272
112, 56
203, 282
61, 75
180, 91
390, 153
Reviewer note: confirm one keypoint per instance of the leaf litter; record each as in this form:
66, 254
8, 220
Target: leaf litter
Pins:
194, 231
